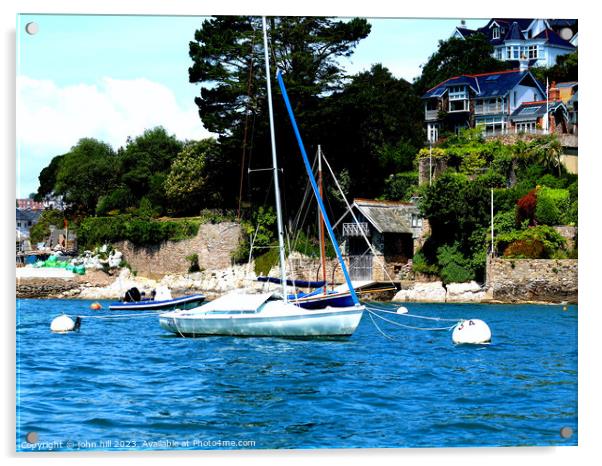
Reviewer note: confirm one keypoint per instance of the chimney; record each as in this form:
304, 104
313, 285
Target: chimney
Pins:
463, 23
554, 92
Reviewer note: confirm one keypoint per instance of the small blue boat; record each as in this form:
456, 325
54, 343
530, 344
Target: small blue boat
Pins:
134, 301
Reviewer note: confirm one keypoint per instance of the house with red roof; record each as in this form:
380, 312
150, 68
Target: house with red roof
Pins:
484, 100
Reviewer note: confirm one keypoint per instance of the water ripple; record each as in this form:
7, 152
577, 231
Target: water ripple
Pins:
128, 382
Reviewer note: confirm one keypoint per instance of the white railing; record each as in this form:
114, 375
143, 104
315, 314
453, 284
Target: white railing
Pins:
488, 109
355, 229
431, 115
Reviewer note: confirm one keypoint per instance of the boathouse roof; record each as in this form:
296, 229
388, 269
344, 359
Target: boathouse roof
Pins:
387, 216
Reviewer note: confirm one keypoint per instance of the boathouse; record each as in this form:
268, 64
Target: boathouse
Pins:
394, 230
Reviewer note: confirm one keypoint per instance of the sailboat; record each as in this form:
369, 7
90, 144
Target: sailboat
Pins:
273, 314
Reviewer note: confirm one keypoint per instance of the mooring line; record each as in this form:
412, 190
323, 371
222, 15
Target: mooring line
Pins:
410, 326
376, 308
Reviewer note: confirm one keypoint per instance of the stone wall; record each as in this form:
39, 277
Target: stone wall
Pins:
546, 280
214, 245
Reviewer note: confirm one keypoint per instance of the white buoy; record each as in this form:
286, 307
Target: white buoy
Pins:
62, 324
471, 332
402, 310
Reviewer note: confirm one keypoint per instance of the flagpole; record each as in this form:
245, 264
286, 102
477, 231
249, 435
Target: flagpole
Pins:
547, 106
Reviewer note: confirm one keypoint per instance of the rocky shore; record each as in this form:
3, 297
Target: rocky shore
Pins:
97, 285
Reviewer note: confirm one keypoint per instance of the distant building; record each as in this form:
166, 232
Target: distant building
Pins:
480, 100
53, 201
539, 41
25, 219
29, 204
394, 230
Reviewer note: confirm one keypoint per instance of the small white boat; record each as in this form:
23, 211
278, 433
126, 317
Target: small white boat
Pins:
261, 315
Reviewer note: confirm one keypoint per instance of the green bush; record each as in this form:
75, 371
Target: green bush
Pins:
453, 266
504, 222
549, 238
95, 231
265, 262
547, 212
41, 230
400, 186
420, 265
552, 205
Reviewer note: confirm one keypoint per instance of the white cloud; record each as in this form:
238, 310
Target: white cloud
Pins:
51, 118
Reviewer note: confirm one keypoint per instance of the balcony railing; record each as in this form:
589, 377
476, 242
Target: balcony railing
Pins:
356, 229
488, 109
430, 115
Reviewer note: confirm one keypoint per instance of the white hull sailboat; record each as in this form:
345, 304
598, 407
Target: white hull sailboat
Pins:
240, 314
261, 315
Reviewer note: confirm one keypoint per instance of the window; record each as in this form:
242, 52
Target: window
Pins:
508, 53
416, 221
458, 93
496, 33
458, 99
532, 51
431, 105
526, 127
515, 53
499, 53
458, 106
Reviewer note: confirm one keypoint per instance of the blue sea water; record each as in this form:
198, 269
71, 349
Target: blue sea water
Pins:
129, 385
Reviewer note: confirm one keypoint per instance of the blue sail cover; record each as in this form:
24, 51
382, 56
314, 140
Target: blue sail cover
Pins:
299, 283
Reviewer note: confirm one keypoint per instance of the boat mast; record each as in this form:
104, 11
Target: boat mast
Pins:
321, 220
274, 161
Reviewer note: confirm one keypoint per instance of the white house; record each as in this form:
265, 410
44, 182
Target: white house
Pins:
540, 41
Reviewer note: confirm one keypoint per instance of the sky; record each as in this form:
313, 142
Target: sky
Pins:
110, 77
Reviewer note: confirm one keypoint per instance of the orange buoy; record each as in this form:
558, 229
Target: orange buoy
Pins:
95, 306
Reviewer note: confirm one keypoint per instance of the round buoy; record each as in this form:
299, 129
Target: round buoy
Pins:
402, 310
472, 332
95, 306
565, 308
62, 324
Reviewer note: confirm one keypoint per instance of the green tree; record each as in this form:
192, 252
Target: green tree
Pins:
41, 230
455, 57
86, 173
228, 64
372, 128
565, 69
47, 178
188, 186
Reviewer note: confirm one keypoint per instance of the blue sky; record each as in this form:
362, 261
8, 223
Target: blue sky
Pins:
110, 77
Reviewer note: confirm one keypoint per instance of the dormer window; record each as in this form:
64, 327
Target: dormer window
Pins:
458, 99
496, 33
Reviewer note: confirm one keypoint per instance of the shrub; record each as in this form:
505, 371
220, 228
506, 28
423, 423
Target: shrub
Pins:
547, 212
194, 263
265, 262
552, 205
526, 206
549, 238
400, 186
95, 231
420, 265
525, 249
453, 266
504, 222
